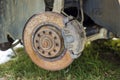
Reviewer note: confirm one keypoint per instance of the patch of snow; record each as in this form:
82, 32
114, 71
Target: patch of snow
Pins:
2, 78
114, 38
5, 56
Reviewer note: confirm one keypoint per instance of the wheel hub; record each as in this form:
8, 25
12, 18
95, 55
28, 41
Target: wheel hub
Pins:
47, 41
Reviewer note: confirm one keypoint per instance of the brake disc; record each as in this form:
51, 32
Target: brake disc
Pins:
50, 42
43, 41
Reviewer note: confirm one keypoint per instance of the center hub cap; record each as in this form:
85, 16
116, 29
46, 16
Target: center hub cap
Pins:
48, 41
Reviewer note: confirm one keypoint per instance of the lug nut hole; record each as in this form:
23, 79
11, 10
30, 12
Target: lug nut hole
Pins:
38, 47
49, 53
54, 50
55, 37
36, 41
57, 44
50, 33
43, 32
38, 35
43, 52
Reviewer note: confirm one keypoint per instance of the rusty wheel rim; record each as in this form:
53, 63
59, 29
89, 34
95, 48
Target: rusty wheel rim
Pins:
33, 33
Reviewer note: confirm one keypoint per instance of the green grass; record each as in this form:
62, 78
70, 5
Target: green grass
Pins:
99, 61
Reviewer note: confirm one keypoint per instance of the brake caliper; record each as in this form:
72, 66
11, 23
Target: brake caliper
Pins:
74, 37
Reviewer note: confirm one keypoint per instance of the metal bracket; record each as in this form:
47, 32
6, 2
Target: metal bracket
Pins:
58, 6
13, 45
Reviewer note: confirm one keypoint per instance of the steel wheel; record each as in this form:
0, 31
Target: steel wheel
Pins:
44, 43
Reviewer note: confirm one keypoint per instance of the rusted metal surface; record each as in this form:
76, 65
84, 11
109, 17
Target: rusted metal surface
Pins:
30, 28
48, 41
